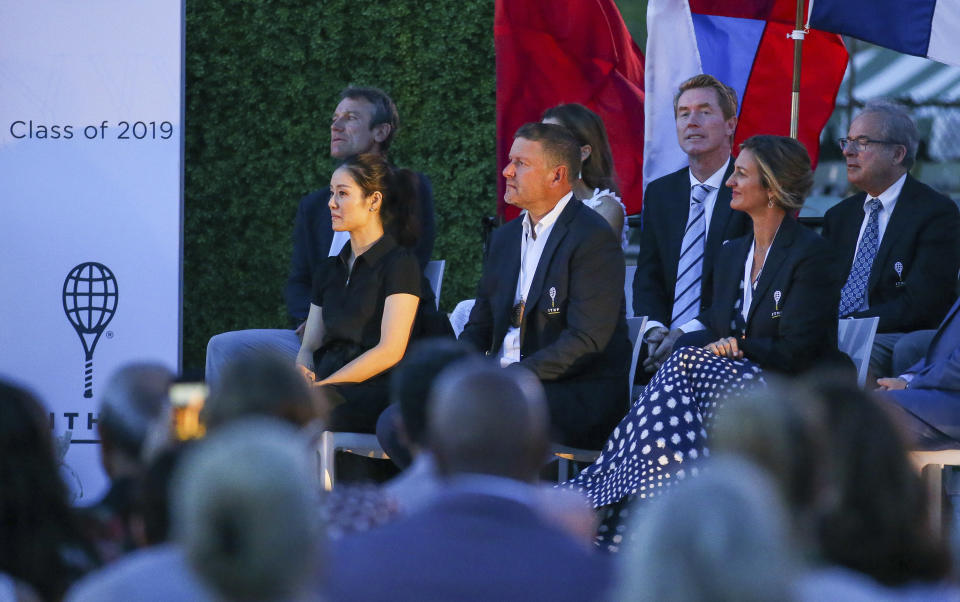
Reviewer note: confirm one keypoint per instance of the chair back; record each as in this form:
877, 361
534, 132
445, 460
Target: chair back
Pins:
434, 275
635, 327
628, 289
855, 338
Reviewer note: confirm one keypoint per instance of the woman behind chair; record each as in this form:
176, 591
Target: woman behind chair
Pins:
597, 184
775, 296
365, 299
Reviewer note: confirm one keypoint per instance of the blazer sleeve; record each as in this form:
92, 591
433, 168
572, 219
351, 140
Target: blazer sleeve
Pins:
943, 374
595, 301
808, 320
478, 330
930, 283
312, 234
649, 281
424, 249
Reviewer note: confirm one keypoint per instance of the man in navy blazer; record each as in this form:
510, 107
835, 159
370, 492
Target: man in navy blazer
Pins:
929, 391
706, 116
364, 121
483, 537
909, 283
551, 298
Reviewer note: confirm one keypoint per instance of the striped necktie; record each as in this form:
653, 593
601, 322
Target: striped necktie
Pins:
686, 298
853, 297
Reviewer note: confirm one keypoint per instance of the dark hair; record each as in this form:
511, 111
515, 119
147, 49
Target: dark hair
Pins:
559, 145
880, 525
40, 540
400, 208
261, 384
597, 170
153, 499
726, 96
134, 397
413, 377
384, 110
784, 167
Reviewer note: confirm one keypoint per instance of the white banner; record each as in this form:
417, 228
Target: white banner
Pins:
91, 98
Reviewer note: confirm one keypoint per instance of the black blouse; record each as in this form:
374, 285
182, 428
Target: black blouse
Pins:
353, 303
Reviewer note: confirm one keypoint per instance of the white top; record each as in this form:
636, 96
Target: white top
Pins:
888, 199
748, 286
594, 203
338, 241
533, 240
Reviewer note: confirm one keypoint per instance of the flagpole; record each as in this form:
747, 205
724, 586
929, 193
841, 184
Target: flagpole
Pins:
797, 35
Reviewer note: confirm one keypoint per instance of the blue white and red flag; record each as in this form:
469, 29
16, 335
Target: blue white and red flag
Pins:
928, 28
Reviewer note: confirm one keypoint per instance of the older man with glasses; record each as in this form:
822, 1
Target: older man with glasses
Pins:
897, 237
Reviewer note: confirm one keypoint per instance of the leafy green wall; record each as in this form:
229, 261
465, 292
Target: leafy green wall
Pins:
262, 79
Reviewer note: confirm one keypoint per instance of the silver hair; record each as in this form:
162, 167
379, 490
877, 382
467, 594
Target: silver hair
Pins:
896, 125
245, 513
719, 536
133, 400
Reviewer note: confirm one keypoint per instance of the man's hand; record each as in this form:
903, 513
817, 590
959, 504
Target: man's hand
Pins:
300, 330
891, 384
726, 347
660, 343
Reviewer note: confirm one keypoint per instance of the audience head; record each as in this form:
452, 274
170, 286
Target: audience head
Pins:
153, 503
487, 420
544, 163
365, 187
365, 121
694, 543
245, 513
880, 522
771, 171
133, 400
37, 526
881, 145
706, 113
780, 429
597, 170
413, 377
260, 385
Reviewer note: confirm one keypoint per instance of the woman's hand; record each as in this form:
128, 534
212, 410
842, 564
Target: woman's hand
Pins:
726, 347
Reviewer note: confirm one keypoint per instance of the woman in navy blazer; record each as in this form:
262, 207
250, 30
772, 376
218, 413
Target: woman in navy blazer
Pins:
775, 298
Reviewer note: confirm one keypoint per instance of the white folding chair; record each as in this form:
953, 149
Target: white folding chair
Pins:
362, 444
628, 289
567, 455
930, 464
434, 275
855, 338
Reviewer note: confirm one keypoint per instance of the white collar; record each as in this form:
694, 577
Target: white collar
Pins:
889, 196
547, 220
715, 180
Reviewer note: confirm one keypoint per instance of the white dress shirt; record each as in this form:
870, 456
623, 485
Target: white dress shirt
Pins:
888, 200
533, 240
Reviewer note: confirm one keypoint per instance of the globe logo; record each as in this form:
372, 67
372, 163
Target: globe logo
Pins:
89, 300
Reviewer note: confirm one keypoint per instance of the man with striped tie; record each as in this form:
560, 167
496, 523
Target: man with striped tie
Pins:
686, 218
897, 238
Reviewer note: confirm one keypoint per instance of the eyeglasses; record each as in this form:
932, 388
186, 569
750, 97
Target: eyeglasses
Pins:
855, 145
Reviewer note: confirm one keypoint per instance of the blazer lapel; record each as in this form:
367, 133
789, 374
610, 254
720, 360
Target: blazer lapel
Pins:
718, 220
851, 231
556, 235
775, 258
899, 221
503, 301
676, 223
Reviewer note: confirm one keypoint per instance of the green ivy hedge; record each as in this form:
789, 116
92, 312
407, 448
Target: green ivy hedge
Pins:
262, 79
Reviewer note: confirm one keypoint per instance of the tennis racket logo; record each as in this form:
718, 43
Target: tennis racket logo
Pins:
89, 300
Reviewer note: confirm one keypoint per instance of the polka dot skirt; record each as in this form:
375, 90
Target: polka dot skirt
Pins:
664, 435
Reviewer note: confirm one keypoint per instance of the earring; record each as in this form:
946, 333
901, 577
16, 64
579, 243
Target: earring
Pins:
770, 203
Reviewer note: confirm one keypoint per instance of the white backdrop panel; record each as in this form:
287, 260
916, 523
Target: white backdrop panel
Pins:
103, 186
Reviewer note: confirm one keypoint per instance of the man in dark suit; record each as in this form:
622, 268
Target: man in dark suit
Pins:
551, 297
897, 239
364, 121
929, 391
483, 537
687, 217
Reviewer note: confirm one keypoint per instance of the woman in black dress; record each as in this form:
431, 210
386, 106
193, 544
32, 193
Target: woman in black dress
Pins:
365, 299
776, 293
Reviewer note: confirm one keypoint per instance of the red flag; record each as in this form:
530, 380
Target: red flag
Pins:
550, 53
